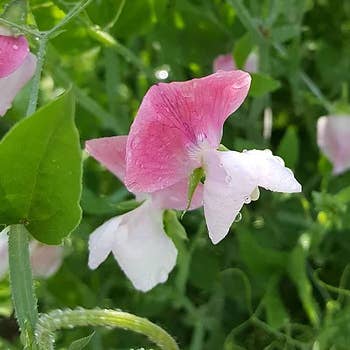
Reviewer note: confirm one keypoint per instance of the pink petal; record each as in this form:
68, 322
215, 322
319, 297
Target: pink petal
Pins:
45, 259
224, 62
110, 152
174, 122
227, 63
12, 84
333, 135
252, 63
175, 196
13, 52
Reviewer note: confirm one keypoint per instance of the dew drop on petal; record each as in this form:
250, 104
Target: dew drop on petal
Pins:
238, 217
15, 47
221, 165
254, 196
247, 200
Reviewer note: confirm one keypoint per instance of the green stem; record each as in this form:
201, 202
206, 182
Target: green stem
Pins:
34, 93
20, 27
21, 280
291, 341
79, 7
65, 319
249, 23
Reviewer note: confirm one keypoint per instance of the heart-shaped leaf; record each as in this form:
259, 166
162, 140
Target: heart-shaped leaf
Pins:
40, 178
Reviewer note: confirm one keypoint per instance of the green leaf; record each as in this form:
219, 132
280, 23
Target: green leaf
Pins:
276, 313
343, 195
40, 178
195, 179
81, 343
106, 205
242, 49
16, 11
262, 84
297, 272
261, 261
285, 32
288, 149
173, 226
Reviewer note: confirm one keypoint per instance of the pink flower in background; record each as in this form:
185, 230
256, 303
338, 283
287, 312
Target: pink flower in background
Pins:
227, 63
179, 127
45, 259
17, 66
333, 138
137, 239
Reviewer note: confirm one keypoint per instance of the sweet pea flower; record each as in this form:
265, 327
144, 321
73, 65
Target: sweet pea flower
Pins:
17, 66
137, 239
178, 128
333, 135
227, 63
45, 259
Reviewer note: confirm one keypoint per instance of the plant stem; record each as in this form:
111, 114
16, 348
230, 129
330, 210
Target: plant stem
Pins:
63, 319
21, 280
71, 14
34, 92
249, 23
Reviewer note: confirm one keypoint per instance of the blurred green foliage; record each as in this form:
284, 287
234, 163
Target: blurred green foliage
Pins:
273, 282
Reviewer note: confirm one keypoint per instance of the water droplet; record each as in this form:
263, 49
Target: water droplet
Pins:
247, 200
228, 179
221, 165
244, 151
15, 47
254, 196
238, 217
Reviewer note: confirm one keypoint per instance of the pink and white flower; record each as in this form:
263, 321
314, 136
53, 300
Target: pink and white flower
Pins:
45, 259
178, 128
227, 63
137, 239
17, 66
333, 138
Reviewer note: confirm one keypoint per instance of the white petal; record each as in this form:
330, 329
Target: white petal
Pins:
45, 259
101, 241
12, 84
4, 258
271, 173
231, 181
228, 184
143, 250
